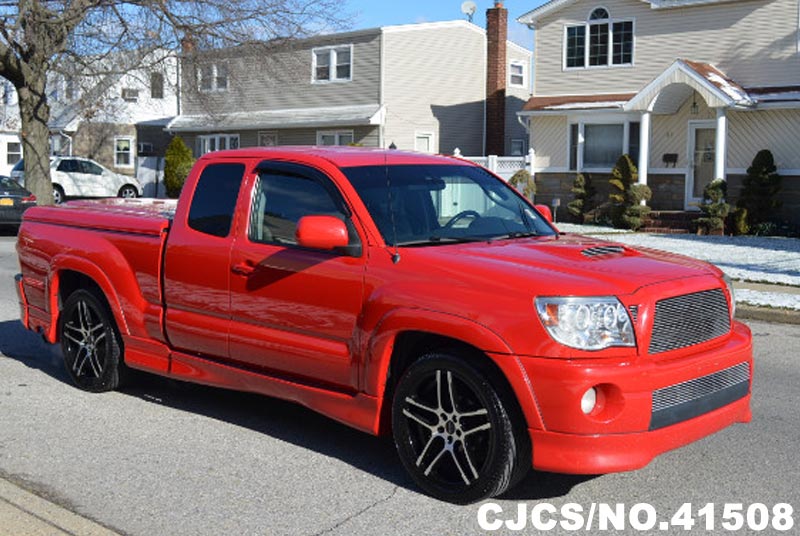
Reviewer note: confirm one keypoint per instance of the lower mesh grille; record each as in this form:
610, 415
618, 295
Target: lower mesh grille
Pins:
689, 319
691, 398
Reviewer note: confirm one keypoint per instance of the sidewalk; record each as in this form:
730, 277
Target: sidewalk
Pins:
24, 514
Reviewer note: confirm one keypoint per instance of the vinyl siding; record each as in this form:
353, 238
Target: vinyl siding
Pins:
281, 78
516, 97
778, 131
434, 81
755, 42
549, 141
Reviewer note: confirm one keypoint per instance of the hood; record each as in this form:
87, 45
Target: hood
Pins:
559, 265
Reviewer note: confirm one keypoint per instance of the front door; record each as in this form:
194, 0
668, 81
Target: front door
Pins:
294, 310
702, 148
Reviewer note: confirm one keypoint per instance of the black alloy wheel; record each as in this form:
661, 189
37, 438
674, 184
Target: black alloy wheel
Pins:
91, 343
452, 431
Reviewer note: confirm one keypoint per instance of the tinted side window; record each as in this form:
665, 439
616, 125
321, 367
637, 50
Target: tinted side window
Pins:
281, 200
214, 199
68, 166
90, 167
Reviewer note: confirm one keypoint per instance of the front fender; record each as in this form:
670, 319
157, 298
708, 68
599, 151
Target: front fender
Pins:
381, 342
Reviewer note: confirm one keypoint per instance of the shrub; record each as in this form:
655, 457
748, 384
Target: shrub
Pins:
523, 181
626, 195
739, 221
714, 207
760, 189
584, 192
178, 163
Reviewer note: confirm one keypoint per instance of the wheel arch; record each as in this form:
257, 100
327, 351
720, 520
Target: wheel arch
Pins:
404, 336
70, 274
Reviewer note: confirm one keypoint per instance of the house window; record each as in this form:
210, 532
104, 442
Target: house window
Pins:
516, 74
599, 145
144, 148
268, 138
213, 77
517, 147
156, 86
13, 152
216, 142
123, 152
333, 64
335, 137
130, 94
610, 42
423, 142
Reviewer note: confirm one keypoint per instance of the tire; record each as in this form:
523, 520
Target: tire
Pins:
128, 192
91, 343
58, 195
452, 431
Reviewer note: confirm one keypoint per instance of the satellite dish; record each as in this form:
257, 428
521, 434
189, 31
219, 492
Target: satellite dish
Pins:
468, 8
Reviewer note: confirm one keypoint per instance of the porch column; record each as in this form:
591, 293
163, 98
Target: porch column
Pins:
721, 150
644, 148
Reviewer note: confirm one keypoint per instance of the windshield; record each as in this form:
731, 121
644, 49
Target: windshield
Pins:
430, 204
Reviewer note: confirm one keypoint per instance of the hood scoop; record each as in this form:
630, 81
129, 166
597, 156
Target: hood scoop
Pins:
598, 251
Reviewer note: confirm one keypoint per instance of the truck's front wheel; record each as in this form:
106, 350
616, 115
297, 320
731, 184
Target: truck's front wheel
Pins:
90, 343
452, 431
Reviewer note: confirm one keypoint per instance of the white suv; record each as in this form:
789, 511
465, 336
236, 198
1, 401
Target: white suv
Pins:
74, 176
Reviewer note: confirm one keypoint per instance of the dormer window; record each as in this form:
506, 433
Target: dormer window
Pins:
599, 42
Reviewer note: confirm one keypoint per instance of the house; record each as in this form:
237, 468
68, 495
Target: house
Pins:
115, 118
112, 119
691, 89
10, 143
420, 86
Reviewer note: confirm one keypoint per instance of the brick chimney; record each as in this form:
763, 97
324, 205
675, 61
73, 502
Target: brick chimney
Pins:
496, 38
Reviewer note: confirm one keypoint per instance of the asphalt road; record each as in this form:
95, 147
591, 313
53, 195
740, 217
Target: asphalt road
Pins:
161, 457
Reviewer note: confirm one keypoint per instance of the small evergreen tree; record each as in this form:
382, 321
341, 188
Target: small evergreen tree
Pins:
739, 221
523, 181
178, 163
760, 189
714, 207
626, 195
584, 191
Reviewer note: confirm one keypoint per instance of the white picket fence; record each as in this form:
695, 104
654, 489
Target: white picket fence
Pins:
504, 166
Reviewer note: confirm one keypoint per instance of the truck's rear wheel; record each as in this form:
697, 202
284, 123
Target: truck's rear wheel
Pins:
452, 431
90, 343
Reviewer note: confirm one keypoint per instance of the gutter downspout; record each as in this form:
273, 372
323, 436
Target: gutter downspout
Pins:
69, 139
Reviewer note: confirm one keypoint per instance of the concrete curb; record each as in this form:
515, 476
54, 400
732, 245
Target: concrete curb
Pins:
767, 314
24, 514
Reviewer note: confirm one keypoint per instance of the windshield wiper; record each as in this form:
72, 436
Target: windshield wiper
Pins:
516, 234
441, 240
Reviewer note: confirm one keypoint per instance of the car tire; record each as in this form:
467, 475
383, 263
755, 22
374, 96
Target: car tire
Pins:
91, 343
128, 192
454, 432
58, 195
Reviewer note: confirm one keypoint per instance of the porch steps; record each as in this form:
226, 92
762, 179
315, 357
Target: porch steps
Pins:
670, 222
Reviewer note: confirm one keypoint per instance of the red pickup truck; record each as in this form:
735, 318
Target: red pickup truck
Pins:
398, 293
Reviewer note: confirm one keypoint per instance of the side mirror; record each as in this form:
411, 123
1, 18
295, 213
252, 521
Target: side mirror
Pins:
321, 232
545, 211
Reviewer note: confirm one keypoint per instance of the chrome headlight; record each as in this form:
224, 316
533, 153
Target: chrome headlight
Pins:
586, 323
729, 284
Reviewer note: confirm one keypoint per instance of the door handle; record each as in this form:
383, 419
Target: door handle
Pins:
245, 268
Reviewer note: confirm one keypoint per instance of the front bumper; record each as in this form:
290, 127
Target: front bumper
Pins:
627, 430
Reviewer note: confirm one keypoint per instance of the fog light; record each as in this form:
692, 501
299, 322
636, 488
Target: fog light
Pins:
589, 401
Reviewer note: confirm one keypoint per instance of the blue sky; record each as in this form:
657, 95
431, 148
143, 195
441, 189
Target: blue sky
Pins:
374, 13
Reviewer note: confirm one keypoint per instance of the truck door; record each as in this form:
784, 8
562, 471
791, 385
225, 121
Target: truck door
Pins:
294, 310
197, 263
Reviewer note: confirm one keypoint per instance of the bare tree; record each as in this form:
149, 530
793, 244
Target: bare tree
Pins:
39, 37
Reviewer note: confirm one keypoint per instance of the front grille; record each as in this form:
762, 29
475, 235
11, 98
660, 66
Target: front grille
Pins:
690, 319
602, 250
691, 398
634, 309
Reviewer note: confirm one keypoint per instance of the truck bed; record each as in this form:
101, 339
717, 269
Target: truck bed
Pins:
139, 216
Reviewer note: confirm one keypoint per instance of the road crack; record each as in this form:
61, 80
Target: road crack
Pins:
359, 513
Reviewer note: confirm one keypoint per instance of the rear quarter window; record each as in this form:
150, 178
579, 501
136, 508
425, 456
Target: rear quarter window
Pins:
214, 201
